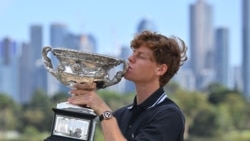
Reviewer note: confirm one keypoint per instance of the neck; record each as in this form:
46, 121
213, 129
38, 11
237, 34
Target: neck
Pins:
143, 91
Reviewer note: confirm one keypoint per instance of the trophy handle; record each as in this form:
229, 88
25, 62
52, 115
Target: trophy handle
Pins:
118, 76
47, 60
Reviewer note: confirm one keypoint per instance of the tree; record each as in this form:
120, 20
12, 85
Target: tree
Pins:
217, 93
192, 104
116, 100
59, 97
8, 111
232, 100
38, 112
237, 108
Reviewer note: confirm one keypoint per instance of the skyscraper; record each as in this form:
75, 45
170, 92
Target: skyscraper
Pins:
221, 56
87, 43
201, 43
26, 71
33, 75
39, 73
246, 47
146, 24
58, 35
9, 69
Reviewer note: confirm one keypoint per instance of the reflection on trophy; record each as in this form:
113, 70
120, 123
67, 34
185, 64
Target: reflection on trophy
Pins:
72, 121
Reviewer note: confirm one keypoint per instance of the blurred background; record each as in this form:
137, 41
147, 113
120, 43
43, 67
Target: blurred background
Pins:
212, 88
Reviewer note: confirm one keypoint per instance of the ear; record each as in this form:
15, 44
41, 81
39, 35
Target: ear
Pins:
161, 69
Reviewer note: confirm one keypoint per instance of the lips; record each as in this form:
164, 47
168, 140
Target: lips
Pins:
129, 67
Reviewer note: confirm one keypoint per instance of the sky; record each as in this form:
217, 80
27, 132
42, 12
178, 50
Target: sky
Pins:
114, 22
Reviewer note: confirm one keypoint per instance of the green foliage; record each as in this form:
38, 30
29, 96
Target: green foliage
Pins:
6, 101
238, 136
38, 112
212, 114
98, 134
32, 134
234, 101
217, 93
205, 123
217, 112
191, 103
7, 120
224, 120
116, 100
30, 131
40, 100
59, 97
8, 112
237, 109
171, 88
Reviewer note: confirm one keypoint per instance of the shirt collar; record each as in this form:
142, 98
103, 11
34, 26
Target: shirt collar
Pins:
157, 97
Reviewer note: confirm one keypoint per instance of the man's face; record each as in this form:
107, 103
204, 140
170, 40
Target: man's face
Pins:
142, 67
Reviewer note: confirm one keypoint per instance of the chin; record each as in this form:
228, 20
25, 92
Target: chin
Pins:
127, 77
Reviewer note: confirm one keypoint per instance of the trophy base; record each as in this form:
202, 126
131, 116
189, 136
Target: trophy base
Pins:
72, 122
52, 138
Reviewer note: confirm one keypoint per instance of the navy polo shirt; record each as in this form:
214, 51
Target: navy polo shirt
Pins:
156, 119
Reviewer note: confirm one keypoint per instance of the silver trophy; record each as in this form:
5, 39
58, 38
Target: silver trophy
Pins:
71, 67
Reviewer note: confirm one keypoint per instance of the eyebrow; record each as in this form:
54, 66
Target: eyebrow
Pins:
151, 57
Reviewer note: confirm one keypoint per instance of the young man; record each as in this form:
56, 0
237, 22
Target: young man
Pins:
152, 116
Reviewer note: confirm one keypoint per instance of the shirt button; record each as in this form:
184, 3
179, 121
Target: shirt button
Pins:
130, 126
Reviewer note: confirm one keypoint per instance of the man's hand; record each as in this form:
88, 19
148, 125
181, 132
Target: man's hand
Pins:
85, 94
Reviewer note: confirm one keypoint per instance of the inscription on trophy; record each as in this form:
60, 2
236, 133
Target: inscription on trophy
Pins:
71, 127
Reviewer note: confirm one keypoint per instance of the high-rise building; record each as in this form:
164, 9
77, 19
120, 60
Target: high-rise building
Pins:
201, 43
87, 43
221, 56
58, 35
72, 41
237, 78
9, 69
39, 73
92, 43
246, 47
146, 24
26, 71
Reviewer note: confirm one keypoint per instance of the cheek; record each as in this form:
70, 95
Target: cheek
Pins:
145, 70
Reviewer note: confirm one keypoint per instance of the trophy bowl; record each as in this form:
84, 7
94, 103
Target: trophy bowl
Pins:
82, 67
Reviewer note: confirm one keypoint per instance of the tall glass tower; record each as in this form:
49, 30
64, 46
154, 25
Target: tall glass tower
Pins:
246, 47
221, 56
58, 35
9, 69
201, 43
39, 72
146, 24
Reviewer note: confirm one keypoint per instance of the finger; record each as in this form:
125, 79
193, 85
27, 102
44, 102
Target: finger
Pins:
76, 100
80, 100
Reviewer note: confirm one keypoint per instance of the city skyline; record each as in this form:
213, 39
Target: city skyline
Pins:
114, 23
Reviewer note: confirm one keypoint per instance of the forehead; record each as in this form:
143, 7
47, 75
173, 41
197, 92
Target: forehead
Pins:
144, 50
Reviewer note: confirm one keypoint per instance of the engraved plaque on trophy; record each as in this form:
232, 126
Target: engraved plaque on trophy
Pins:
72, 122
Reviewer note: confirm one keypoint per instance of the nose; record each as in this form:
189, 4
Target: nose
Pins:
131, 58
